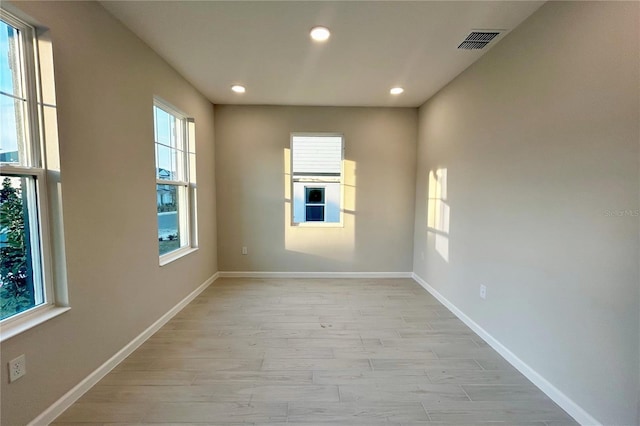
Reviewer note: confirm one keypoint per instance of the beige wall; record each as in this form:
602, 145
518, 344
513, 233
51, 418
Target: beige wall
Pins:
253, 201
106, 79
539, 140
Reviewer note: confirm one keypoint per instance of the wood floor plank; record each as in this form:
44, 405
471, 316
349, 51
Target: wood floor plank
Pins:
299, 352
500, 392
151, 378
414, 364
384, 353
289, 393
288, 377
220, 411
194, 393
309, 364
476, 377
356, 413
402, 392
104, 412
360, 377
495, 411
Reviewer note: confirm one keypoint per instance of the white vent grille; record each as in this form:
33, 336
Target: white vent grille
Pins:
478, 39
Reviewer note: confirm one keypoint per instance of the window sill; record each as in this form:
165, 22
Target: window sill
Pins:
30, 320
318, 225
175, 255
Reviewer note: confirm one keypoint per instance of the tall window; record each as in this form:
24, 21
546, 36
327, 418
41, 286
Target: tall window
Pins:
175, 181
316, 164
25, 278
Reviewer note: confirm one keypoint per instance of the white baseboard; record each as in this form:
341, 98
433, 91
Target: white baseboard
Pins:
58, 407
567, 404
264, 274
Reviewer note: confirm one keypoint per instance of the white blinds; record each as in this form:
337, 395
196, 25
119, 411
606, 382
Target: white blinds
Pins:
317, 155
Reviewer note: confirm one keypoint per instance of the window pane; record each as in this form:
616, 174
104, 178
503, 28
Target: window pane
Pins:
315, 213
178, 165
12, 130
183, 215
168, 200
192, 168
20, 282
315, 195
165, 164
10, 64
163, 126
13, 112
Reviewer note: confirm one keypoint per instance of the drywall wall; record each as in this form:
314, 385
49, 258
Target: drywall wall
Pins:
528, 183
106, 79
254, 190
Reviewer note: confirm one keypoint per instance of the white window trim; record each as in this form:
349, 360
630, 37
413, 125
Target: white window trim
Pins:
317, 224
167, 258
54, 298
29, 319
189, 221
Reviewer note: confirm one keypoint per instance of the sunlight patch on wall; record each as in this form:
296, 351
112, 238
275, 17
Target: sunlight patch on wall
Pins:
438, 211
349, 187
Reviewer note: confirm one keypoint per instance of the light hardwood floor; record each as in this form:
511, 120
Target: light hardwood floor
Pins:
315, 351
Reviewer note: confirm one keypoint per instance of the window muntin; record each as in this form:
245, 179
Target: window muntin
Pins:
25, 278
175, 179
316, 165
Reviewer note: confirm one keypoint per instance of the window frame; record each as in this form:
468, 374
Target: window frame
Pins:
33, 167
317, 224
187, 207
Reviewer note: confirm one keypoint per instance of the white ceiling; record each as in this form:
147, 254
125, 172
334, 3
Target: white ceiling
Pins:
265, 46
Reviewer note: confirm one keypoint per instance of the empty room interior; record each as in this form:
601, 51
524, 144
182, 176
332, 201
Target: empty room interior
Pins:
320, 212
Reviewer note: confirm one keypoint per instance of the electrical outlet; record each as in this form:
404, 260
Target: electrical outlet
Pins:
483, 291
17, 368
244, 250
422, 254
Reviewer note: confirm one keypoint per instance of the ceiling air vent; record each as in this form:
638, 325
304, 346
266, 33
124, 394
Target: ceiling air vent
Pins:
478, 39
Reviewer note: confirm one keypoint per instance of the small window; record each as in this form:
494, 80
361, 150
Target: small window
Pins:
316, 164
314, 208
175, 181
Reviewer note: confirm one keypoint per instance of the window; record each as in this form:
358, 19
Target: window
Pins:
314, 204
175, 181
27, 291
316, 164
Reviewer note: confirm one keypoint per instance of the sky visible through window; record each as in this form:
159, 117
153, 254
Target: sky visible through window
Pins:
8, 130
166, 144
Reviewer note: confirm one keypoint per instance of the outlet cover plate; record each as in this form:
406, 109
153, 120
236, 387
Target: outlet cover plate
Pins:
17, 368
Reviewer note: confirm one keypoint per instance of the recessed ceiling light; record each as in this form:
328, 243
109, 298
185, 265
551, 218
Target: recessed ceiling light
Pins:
238, 89
320, 33
396, 90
